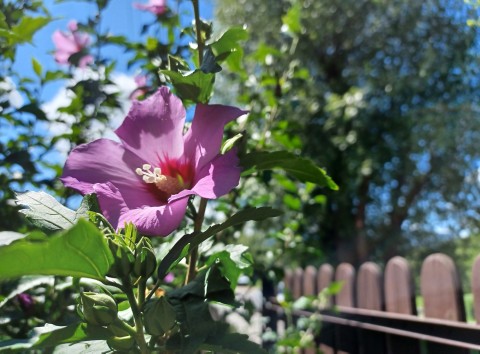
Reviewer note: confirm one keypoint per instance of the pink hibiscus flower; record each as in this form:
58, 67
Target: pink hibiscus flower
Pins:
156, 7
149, 176
73, 42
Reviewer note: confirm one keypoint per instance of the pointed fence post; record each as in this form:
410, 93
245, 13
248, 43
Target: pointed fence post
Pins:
442, 295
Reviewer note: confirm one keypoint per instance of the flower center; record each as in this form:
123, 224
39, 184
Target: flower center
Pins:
168, 184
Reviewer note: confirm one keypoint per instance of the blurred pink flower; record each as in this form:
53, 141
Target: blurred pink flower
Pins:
70, 43
156, 7
142, 88
148, 177
169, 278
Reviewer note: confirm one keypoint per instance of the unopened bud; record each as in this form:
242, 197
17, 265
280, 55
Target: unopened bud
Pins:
145, 262
98, 309
123, 260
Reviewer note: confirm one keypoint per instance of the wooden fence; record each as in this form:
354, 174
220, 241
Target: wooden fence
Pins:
376, 313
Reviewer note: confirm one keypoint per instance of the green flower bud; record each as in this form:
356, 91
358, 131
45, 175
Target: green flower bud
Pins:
159, 316
123, 260
145, 262
121, 343
98, 309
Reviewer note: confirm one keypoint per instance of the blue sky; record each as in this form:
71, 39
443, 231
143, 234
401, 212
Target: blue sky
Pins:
119, 18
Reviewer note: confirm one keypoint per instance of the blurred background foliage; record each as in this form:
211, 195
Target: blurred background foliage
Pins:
382, 94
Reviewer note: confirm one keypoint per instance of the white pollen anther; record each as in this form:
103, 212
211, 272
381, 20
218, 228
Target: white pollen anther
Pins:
168, 184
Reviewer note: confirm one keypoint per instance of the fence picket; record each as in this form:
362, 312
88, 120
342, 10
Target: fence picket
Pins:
297, 283
324, 279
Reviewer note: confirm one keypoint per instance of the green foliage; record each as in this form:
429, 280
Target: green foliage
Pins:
196, 86
378, 101
81, 251
302, 168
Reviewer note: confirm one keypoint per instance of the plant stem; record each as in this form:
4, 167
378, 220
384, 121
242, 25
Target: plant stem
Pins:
137, 316
197, 228
198, 30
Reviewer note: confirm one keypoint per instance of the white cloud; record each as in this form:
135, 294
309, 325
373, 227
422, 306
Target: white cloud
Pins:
61, 123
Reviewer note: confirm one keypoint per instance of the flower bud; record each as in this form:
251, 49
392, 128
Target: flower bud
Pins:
123, 260
159, 316
145, 262
98, 309
121, 343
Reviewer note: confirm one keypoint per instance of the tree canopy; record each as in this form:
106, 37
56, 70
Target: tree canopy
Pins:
380, 93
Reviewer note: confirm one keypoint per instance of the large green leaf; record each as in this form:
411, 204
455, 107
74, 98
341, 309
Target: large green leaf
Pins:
195, 86
234, 260
45, 212
227, 47
251, 214
26, 28
300, 167
81, 251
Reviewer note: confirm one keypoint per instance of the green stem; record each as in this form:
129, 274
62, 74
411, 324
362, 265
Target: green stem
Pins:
142, 287
197, 228
137, 316
198, 29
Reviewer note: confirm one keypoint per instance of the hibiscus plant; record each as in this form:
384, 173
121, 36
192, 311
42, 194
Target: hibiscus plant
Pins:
131, 252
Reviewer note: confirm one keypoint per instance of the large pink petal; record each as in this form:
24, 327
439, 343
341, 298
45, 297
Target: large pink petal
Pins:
156, 221
153, 128
105, 161
204, 138
111, 202
150, 221
64, 42
215, 179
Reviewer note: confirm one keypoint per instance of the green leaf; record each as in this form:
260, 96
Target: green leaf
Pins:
231, 343
81, 251
209, 63
45, 211
292, 18
255, 214
234, 260
51, 336
230, 143
195, 86
228, 47
27, 27
300, 167
37, 67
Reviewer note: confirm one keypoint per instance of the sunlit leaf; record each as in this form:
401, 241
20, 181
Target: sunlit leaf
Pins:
195, 86
81, 251
300, 167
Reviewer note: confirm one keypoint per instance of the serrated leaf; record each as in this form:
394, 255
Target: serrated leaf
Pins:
196, 86
27, 27
227, 47
45, 211
233, 260
299, 167
252, 214
81, 251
